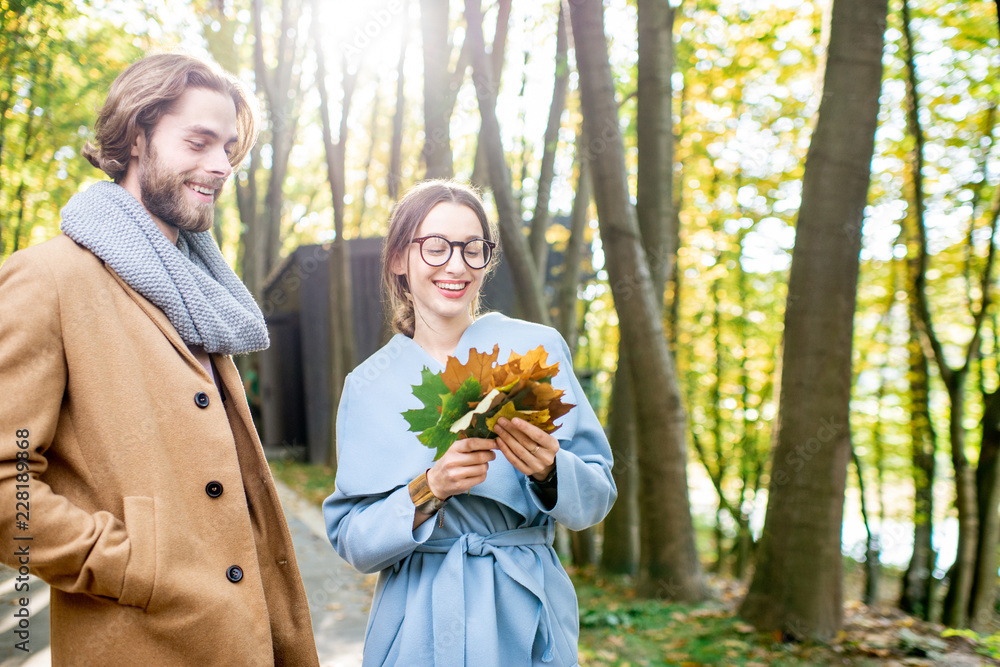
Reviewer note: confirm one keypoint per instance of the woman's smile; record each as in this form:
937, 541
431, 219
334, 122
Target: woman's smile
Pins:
452, 289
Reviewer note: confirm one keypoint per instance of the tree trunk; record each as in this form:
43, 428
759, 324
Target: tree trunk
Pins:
569, 282
620, 553
749, 454
654, 127
872, 564
583, 547
715, 408
668, 557
372, 140
341, 319
247, 203
396, 151
540, 220
958, 600
918, 580
480, 166
437, 118
343, 326
984, 585
281, 93
797, 585
959, 597
526, 283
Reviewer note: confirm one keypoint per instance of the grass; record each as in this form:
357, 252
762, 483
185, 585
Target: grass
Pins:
312, 482
618, 629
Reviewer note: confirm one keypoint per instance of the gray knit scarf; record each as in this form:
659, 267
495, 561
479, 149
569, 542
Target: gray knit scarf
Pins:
190, 282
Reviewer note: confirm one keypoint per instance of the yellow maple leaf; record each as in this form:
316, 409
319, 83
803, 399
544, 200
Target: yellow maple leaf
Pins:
536, 417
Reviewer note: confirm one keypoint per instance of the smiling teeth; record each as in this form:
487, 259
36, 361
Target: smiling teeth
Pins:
451, 286
203, 190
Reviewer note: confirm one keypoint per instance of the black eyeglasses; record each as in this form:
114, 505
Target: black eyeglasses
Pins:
436, 251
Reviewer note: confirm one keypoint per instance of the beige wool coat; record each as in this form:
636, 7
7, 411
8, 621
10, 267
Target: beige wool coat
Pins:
153, 515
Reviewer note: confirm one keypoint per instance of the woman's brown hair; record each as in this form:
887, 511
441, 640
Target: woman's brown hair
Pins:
148, 90
406, 216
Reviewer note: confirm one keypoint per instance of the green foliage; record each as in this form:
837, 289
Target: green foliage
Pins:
987, 645
57, 66
441, 409
430, 391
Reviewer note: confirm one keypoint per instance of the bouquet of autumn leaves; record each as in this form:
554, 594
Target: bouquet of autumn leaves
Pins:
467, 400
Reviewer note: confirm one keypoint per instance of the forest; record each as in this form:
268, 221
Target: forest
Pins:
766, 228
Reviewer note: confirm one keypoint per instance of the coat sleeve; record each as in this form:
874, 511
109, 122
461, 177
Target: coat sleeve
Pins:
585, 488
374, 532
69, 547
369, 531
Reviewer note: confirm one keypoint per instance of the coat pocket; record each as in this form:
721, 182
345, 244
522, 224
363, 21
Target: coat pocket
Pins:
140, 573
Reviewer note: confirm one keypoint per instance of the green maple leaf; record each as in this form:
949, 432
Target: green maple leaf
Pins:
439, 436
430, 393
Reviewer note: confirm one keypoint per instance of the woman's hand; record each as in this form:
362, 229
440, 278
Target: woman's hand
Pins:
528, 448
462, 467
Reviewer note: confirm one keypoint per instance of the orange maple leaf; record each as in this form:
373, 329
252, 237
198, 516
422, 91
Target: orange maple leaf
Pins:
479, 366
532, 364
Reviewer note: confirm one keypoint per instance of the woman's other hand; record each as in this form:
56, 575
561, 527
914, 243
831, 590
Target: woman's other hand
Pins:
528, 448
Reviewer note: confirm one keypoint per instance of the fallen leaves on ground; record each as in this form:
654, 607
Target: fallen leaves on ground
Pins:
658, 632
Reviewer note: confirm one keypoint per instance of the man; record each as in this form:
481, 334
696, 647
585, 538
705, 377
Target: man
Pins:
124, 429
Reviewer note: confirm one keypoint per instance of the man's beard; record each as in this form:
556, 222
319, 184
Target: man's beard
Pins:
164, 197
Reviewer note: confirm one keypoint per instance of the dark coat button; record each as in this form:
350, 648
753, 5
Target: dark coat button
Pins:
234, 573
201, 399
214, 489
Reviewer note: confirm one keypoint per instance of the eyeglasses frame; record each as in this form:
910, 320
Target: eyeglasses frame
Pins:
451, 250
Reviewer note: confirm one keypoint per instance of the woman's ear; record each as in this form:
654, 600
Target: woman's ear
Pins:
398, 265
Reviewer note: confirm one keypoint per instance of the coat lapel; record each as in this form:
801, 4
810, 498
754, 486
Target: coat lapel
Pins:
229, 377
161, 321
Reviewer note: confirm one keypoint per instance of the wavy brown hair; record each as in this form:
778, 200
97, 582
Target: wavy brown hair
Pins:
406, 216
148, 90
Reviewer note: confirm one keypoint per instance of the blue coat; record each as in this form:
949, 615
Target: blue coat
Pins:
483, 586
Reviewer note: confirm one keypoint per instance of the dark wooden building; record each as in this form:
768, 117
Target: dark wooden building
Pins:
296, 402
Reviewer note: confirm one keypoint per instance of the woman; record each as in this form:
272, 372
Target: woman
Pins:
463, 545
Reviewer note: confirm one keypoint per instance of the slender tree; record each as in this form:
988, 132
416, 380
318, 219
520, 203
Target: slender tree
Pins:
341, 317
526, 282
654, 127
498, 49
917, 590
656, 221
437, 117
984, 588
668, 560
396, 151
958, 601
569, 281
540, 219
279, 85
797, 585
620, 552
